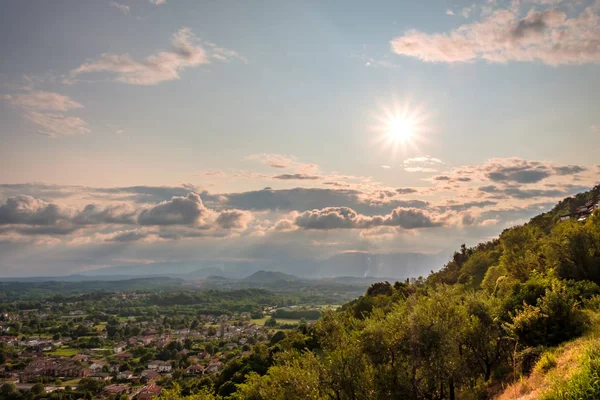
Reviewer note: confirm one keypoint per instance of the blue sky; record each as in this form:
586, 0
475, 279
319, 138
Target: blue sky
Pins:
223, 98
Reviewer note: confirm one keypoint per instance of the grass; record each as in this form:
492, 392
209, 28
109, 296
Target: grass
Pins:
100, 327
72, 382
64, 351
262, 321
583, 383
570, 371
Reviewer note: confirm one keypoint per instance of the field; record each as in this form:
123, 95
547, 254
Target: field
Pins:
64, 351
262, 321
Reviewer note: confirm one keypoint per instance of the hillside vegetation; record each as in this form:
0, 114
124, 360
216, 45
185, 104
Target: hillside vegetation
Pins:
510, 318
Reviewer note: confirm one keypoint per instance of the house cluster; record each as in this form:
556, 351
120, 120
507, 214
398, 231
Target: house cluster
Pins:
583, 212
144, 393
52, 367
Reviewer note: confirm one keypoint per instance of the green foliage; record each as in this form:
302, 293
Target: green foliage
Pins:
554, 319
8, 388
294, 376
546, 362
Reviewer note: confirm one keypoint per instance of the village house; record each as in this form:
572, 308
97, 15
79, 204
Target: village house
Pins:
214, 366
114, 368
119, 347
125, 375
148, 392
160, 366
123, 356
96, 367
115, 389
195, 370
52, 368
582, 213
148, 375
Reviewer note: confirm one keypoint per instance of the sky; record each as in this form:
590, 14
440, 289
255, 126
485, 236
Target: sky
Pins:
144, 131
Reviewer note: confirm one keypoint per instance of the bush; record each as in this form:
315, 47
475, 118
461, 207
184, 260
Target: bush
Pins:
556, 318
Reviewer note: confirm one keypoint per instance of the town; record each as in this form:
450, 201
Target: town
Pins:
126, 349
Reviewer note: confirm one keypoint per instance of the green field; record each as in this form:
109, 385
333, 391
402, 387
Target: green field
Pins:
63, 351
262, 321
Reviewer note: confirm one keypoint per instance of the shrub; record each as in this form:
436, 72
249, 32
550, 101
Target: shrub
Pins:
556, 318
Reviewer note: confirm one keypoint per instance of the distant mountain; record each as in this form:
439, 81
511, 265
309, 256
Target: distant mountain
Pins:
350, 264
271, 277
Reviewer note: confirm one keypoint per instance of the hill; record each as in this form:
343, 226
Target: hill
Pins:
520, 312
271, 277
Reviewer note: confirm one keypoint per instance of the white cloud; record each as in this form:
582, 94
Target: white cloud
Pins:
56, 124
158, 2
46, 110
40, 100
159, 67
449, 12
549, 36
121, 7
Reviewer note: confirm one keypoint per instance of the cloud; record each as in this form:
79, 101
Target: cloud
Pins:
347, 218
160, 67
449, 12
301, 177
45, 109
519, 193
55, 124
422, 164
405, 190
188, 210
133, 235
509, 171
158, 2
569, 169
27, 210
273, 160
548, 36
234, 219
40, 100
386, 167
121, 7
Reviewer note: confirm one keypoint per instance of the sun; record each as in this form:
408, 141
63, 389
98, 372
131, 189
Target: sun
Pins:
401, 127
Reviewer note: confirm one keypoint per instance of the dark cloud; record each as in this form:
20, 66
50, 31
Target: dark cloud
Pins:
441, 178
569, 170
233, 219
93, 214
516, 175
149, 194
28, 210
405, 190
301, 177
466, 206
347, 218
304, 199
518, 193
533, 24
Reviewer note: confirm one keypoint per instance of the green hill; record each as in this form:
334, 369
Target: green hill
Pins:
515, 317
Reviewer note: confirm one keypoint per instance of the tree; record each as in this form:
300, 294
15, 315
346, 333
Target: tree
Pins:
38, 389
271, 322
8, 388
